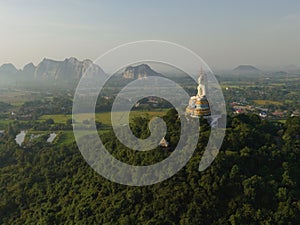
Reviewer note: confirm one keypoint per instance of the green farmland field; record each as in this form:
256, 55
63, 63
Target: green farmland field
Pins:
266, 102
104, 117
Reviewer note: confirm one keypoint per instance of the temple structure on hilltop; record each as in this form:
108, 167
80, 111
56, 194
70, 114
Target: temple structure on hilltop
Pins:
199, 105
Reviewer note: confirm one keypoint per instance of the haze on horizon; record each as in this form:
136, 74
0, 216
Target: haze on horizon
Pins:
225, 34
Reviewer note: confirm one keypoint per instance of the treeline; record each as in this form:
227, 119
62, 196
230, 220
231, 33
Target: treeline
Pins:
253, 180
59, 104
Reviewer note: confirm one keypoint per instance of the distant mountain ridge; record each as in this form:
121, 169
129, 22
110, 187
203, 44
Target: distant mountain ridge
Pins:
139, 71
246, 69
70, 69
8, 73
8, 68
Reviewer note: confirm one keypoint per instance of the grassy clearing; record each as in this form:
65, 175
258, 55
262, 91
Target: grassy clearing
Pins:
66, 137
4, 123
267, 102
58, 118
224, 86
17, 98
228, 152
282, 121
17, 104
277, 84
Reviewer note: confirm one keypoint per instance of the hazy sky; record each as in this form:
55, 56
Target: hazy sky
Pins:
224, 33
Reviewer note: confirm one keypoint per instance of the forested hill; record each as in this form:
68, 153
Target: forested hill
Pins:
254, 180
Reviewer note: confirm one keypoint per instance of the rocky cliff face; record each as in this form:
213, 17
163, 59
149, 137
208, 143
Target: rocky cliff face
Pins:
140, 71
8, 74
70, 68
29, 69
68, 71
8, 69
46, 69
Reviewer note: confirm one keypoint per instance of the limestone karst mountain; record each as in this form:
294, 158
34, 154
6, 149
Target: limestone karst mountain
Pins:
246, 70
68, 71
8, 73
70, 68
27, 72
139, 71
8, 69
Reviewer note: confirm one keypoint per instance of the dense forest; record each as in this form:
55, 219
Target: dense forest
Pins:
253, 180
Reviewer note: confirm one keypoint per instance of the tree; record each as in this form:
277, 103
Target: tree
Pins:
49, 121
